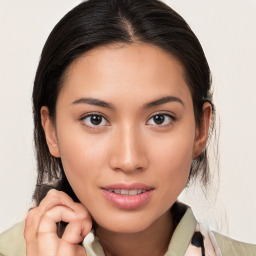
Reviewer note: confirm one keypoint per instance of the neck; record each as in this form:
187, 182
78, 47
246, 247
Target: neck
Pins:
154, 240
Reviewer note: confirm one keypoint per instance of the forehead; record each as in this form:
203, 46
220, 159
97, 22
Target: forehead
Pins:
126, 70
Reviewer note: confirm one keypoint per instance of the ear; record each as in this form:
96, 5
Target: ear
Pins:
50, 132
202, 130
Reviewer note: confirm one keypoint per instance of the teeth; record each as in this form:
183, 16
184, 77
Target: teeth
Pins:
132, 192
124, 192
140, 191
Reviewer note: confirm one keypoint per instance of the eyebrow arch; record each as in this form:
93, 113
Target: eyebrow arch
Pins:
93, 101
163, 100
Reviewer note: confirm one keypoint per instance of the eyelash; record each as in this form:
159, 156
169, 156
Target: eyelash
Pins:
171, 119
93, 126
90, 115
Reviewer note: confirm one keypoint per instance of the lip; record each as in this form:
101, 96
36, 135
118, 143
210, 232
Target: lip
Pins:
128, 202
129, 186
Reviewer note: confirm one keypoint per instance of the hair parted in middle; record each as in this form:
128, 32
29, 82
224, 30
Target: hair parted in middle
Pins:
96, 23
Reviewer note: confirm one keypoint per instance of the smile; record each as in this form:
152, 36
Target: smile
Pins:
132, 192
128, 196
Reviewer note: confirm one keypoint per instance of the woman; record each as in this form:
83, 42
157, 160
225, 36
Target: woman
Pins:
122, 113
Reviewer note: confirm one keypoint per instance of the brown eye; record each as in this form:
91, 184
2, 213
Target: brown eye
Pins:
93, 120
161, 120
96, 120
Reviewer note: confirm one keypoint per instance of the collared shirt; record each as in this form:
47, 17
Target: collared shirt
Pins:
189, 239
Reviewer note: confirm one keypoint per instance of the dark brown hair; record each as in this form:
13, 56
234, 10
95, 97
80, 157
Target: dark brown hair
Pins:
95, 23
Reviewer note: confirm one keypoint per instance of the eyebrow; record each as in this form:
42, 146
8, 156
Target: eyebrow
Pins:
104, 104
93, 101
163, 100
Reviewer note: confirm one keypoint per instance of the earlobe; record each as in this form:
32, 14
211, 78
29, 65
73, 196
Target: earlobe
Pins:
50, 132
203, 130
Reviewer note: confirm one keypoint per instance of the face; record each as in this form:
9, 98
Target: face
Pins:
126, 134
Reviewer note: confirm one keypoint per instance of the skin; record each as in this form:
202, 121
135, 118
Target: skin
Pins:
128, 145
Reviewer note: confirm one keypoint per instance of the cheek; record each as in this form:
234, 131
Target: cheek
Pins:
82, 157
172, 157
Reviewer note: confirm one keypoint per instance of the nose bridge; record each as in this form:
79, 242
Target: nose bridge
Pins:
129, 153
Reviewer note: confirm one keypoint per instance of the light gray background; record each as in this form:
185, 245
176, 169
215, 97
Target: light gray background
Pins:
227, 31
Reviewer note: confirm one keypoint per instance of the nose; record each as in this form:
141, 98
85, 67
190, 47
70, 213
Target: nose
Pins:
128, 152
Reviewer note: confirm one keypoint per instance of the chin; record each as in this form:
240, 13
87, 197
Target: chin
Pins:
126, 222
126, 228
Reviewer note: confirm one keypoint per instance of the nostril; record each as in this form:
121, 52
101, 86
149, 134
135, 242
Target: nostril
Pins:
127, 151
128, 167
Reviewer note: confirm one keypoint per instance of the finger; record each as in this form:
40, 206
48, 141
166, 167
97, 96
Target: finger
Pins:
54, 198
31, 224
81, 211
47, 238
53, 216
48, 245
43, 219
33, 218
30, 232
76, 231
65, 249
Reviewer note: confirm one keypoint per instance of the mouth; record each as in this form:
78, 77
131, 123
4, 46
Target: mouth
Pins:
128, 196
131, 192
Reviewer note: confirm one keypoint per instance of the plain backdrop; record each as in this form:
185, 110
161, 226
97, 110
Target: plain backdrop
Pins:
227, 32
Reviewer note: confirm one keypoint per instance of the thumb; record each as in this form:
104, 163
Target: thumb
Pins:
76, 231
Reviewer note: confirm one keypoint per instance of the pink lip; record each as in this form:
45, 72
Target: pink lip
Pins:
128, 186
128, 201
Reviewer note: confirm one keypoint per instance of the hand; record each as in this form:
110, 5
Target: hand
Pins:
41, 227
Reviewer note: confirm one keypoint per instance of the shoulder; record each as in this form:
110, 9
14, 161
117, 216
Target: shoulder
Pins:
230, 246
12, 242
